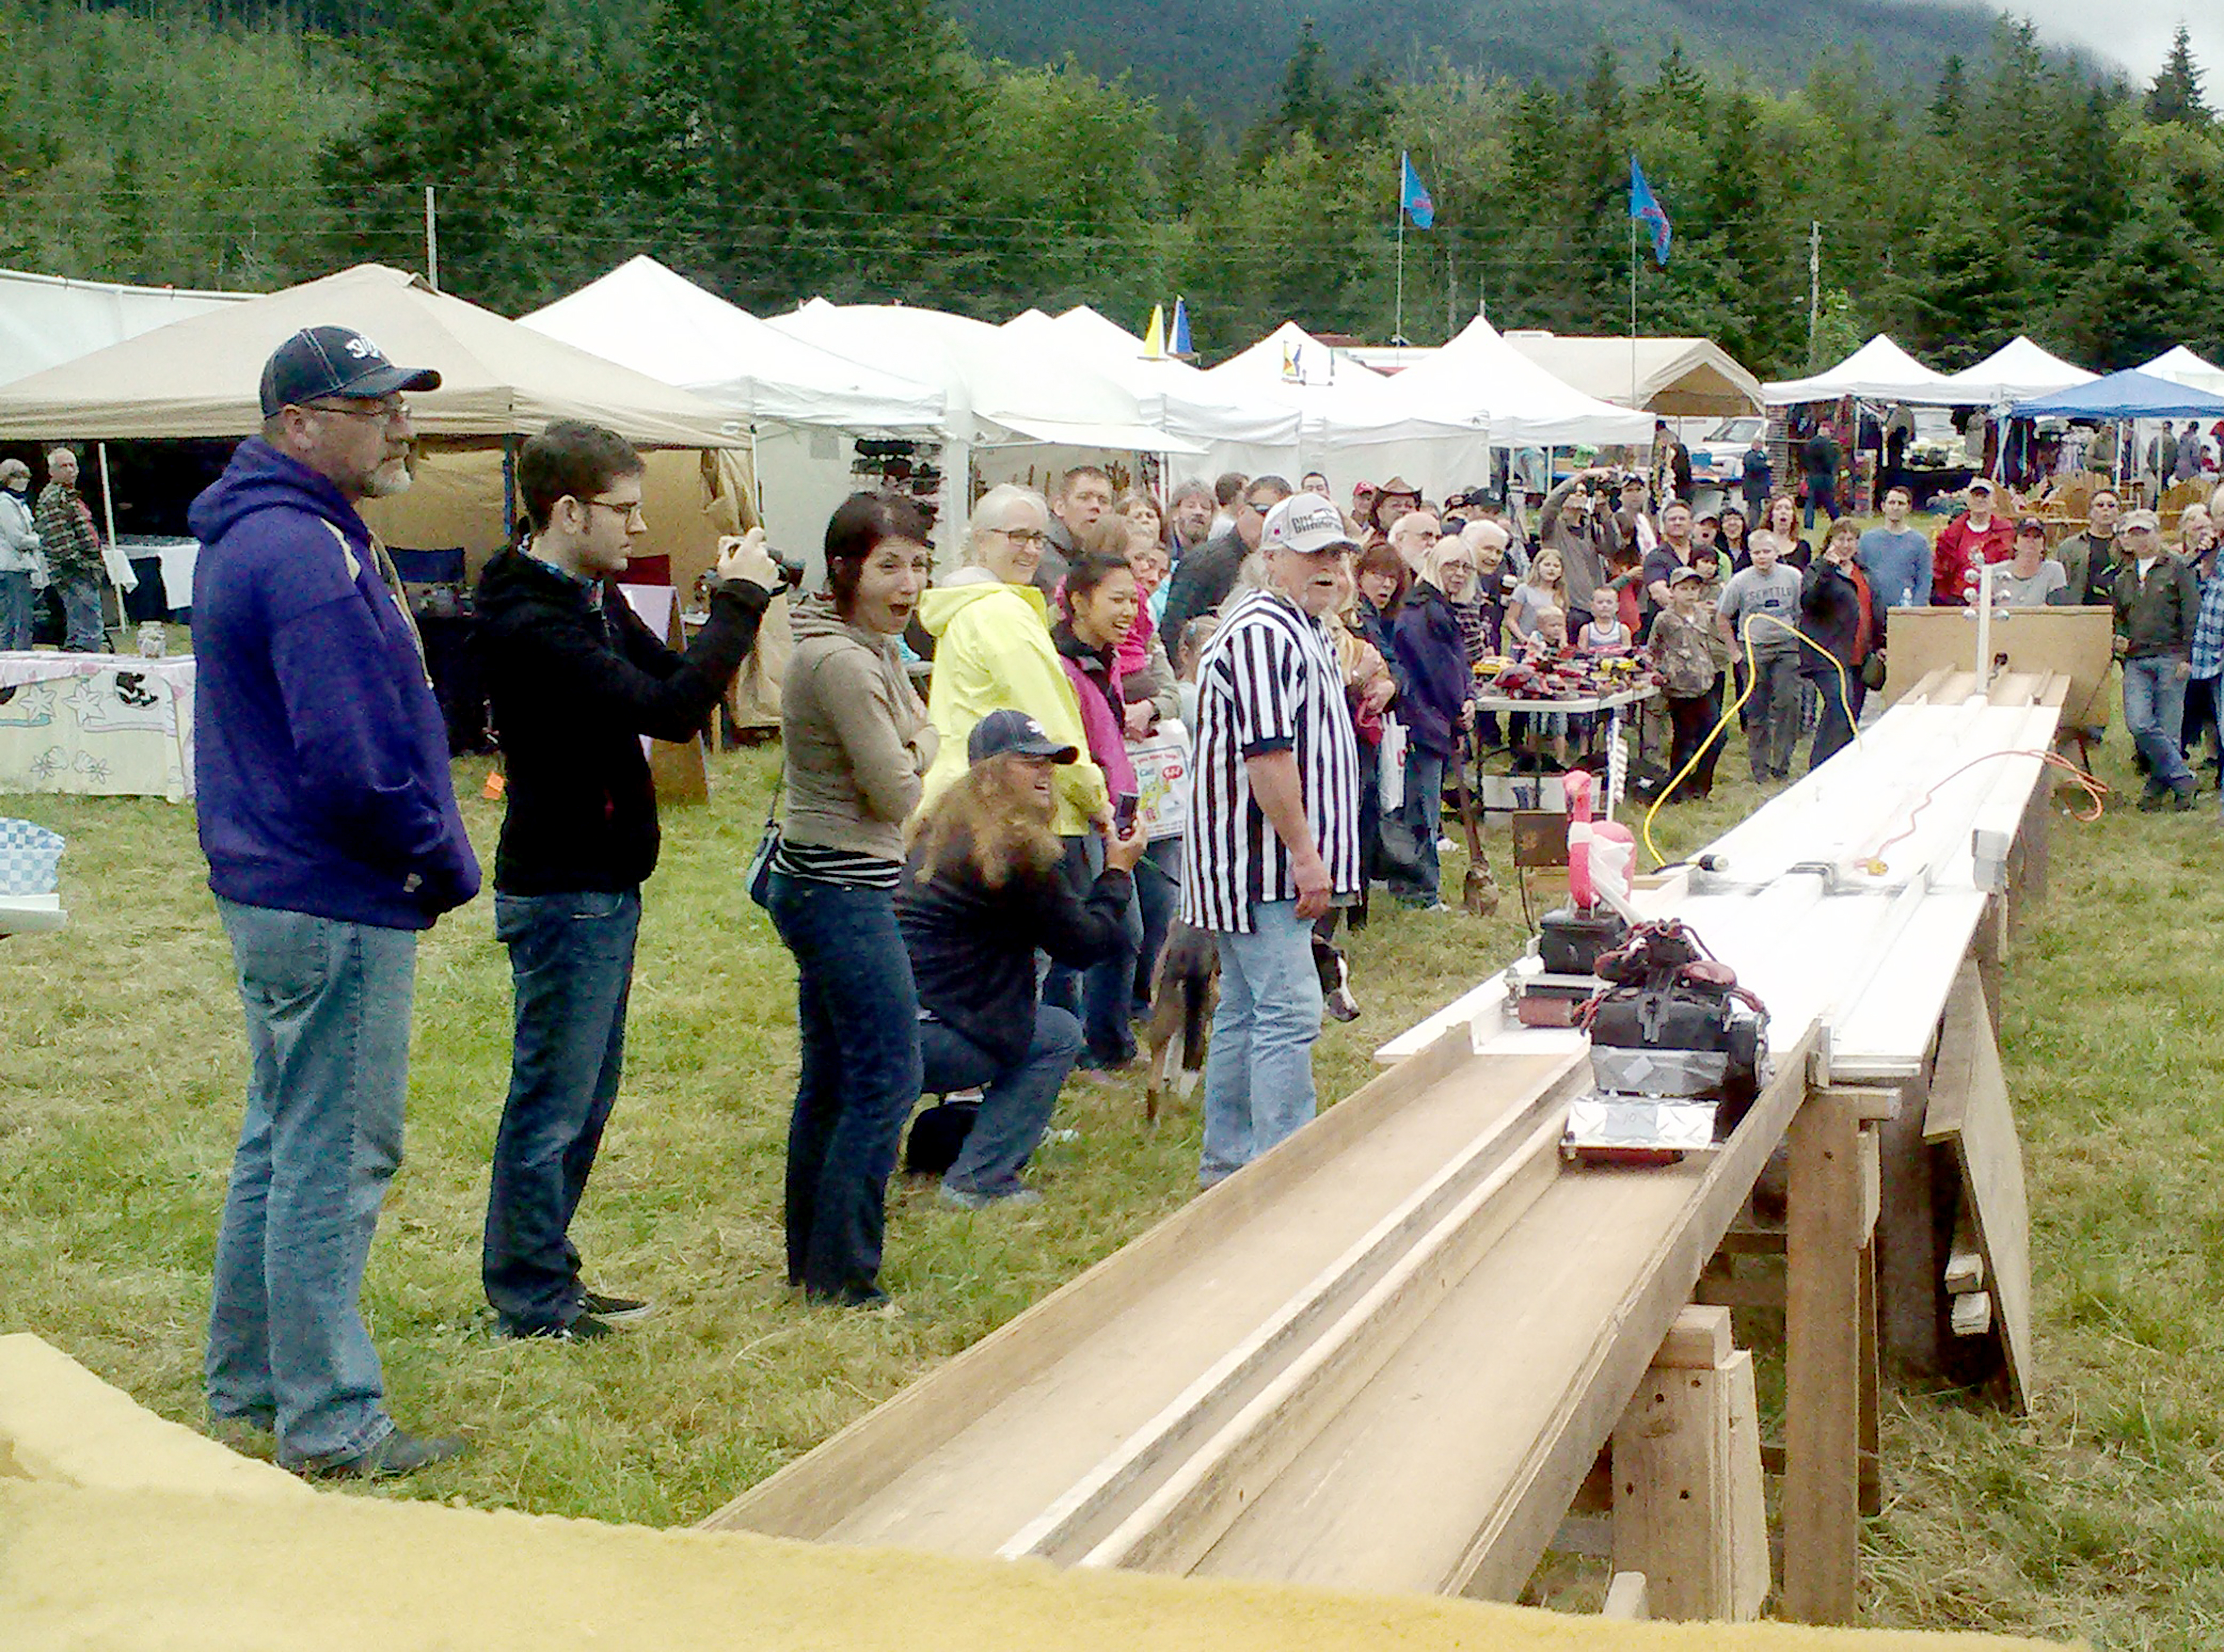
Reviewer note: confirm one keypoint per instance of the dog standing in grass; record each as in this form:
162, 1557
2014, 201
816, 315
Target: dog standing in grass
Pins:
1185, 989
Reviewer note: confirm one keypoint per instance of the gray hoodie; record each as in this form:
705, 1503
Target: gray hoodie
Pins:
856, 737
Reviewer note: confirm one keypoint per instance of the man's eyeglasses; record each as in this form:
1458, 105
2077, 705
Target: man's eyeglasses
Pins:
1025, 536
384, 412
627, 510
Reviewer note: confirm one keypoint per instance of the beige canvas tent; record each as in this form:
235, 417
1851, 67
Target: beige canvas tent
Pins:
199, 377
1677, 378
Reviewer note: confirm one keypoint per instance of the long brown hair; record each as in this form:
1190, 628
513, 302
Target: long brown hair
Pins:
991, 818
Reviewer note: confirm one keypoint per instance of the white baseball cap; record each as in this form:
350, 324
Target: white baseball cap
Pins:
1307, 524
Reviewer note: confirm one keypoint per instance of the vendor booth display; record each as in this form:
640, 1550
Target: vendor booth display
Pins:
108, 725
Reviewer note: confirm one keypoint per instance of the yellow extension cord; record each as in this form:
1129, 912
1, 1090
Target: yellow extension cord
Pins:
1729, 715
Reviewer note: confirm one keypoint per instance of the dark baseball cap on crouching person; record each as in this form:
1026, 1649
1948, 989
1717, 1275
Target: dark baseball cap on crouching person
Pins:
320, 361
1001, 731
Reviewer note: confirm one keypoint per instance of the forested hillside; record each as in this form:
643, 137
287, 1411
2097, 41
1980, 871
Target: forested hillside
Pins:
1211, 50
860, 148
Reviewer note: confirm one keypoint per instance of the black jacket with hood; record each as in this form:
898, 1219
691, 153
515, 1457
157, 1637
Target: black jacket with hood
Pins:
575, 683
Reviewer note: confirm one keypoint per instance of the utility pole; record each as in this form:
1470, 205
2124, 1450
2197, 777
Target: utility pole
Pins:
432, 241
1813, 286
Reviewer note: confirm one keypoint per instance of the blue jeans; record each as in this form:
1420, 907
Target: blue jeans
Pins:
1158, 897
2154, 708
1422, 816
80, 595
15, 611
570, 959
1103, 995
1016, 1102
1259, 1071
1822, 492
858, 1018
327, 1007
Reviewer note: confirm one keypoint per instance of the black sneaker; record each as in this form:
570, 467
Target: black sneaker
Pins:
2153, 798
615, 1310
585, 1328
2181, 798
400, 1452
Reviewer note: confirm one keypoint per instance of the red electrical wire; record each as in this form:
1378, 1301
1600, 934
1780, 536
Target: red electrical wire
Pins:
2094, 788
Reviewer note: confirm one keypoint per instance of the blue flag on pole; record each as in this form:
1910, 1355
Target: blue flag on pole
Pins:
1648, 211
1414, 194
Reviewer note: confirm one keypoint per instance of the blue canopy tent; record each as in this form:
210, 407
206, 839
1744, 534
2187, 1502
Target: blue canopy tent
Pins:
2123, 395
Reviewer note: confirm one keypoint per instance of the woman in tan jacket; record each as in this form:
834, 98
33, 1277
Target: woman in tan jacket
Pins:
857, 745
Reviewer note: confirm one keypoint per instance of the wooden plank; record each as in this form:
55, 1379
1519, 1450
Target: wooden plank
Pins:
1954, 1073
2072, 642
1975, 1117
1965, 1268
1750, 1578
1871, 1103
1628, 1598
1173, 1529
1392, 1271
1673, 1495
1871, 1181
1872, 1381
1910, 1248
1821, 1525
1973, 1315
1699, 1340
1504, 1549
811, 1494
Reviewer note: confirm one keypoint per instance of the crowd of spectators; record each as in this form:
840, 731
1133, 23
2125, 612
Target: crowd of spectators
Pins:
976, 885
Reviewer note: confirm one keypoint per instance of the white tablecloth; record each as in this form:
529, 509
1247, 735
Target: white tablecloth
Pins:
111, 725
178, 557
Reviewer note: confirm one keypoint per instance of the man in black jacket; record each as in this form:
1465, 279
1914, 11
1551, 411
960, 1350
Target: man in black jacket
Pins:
576, 678
1204, 578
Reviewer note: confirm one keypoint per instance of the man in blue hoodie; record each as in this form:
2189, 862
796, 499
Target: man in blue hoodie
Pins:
329, 824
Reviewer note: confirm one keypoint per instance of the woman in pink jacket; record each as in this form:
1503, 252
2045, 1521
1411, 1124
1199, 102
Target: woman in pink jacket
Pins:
1101, 598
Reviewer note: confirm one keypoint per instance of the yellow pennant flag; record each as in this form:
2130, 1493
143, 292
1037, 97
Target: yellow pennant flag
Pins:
1154, 340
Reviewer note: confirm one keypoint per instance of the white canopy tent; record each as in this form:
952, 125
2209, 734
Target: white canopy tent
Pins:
1523, 405
1879, 371
2180, 366
1239, 428
1674, 378
1354, 424
805, 404
2018, 371
1008, 411
45, 320
199, 377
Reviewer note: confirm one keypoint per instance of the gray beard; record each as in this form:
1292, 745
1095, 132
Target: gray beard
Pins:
389, 480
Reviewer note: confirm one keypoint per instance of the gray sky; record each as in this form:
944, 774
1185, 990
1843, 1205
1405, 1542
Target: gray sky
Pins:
2133, 33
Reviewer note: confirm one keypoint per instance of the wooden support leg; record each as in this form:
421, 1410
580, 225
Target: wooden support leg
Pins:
1872, 1392
1687, 1507
1822, 1422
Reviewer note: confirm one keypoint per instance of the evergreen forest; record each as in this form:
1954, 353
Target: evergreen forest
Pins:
864, 150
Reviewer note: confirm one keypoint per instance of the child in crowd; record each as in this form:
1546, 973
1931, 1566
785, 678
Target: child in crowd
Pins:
1605, 633
1754, 613
1682, 651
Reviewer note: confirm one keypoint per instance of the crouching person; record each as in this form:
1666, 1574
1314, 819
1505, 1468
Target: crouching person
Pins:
575, 679
983, 890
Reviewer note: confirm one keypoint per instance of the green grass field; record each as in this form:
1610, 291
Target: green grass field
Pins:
121, 1064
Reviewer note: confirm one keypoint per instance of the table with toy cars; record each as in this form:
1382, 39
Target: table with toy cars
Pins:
1615, 703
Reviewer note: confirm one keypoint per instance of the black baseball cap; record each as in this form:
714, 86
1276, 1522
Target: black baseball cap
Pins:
1014, 731
320, 361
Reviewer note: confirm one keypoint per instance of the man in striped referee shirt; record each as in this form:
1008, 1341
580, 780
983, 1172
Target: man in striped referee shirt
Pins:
1273, 837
